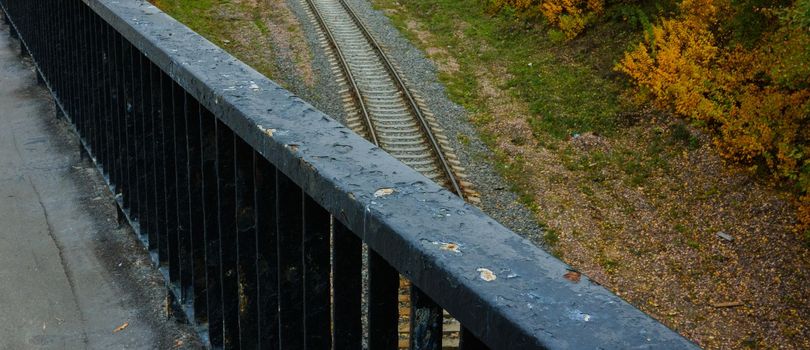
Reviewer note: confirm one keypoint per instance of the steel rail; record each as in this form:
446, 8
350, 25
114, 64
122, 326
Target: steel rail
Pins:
411, 103
358, 97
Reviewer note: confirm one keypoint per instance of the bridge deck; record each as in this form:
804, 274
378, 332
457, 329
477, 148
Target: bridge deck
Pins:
68, 275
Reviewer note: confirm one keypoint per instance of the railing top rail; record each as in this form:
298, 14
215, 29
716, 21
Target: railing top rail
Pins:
442, 244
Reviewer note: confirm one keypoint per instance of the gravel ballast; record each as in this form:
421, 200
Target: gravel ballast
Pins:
421, 73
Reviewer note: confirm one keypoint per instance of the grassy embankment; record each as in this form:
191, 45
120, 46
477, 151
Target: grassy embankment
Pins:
259, 33
236, 26
629, 195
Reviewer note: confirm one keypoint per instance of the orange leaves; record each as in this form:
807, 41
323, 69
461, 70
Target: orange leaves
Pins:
552, 10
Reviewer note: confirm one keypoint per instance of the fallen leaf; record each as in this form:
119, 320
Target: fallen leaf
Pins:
383, 192
486, 274
572, 276
121, 327
728, 304
450, 246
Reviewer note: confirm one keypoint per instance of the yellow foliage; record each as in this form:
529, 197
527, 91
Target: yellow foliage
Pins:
570, 16
804, 212
757, 98
674, 65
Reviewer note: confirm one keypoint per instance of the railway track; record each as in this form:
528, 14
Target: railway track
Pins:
381, 107
378, 101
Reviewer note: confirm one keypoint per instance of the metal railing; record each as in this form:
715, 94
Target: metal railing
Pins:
255, 206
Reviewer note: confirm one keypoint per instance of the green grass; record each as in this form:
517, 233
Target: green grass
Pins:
463, 139
681, 134
568, 86
196, 15
550, 237
259, 22
564, 97
609, 264
214, 20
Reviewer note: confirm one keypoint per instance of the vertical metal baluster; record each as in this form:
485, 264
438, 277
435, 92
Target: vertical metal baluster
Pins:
57, 16
91, 129
170, 187
317, 303
148, 215
138, 136
57, 58
229, 248
107, 91
53, 56
208, 136
383, 303
84, 117
183, 196
246, 245
196, 212
46, 60
81, 76
29, 32
67, 42
468, 341
115, 110
124, 120
426, 322
106, 102
158, 168
65, 68
267, 292
81, 116
43, 54
347, 284
289, 210
97, 92
75, 68
131, 88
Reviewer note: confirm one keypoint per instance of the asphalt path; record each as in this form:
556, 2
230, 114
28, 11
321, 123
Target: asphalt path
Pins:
70, 277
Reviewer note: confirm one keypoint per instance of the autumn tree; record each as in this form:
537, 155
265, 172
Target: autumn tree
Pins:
757, 98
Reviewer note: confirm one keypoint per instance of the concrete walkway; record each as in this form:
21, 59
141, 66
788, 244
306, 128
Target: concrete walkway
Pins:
69, 277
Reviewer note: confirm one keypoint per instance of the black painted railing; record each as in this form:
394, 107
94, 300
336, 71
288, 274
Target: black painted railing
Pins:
255, 206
